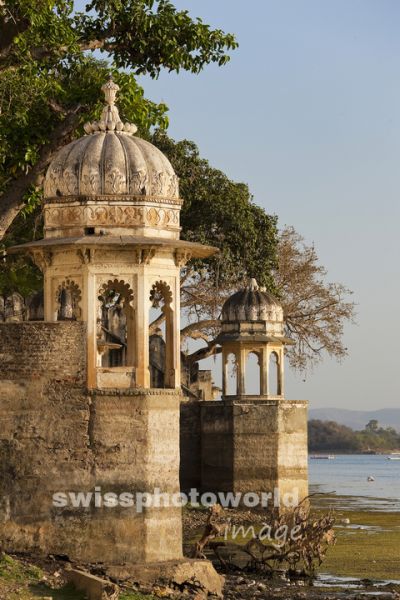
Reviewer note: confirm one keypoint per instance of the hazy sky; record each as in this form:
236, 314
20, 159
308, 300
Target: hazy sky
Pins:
308, 114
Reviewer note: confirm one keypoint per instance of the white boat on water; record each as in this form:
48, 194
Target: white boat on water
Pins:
393, 457
323, 456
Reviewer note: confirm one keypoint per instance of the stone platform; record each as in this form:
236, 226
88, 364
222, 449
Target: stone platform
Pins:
254, 445
58, 437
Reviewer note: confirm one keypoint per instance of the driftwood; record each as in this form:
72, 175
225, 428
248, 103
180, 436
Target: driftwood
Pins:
299, 553
216, 525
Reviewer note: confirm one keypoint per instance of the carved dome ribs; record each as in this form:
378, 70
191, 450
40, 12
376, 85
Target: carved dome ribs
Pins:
110, 163
252, 313
110, 182
252, 304
109, 160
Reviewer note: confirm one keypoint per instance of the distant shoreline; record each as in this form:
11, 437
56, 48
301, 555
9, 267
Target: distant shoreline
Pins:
343, 453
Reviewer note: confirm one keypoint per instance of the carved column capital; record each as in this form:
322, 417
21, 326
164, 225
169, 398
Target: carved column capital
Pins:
182, 257
42, 258
86, 255
144, 255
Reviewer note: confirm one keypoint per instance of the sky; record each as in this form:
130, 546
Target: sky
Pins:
307, 113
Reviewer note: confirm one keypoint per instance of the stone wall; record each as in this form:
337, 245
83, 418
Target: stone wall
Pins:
56, 437
190, 445
254, 446
35, 350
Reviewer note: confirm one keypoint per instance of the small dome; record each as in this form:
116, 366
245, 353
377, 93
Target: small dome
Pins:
110, 161
252, 304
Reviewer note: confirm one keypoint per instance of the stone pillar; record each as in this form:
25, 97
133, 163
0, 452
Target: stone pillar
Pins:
89, 313
224, 372
142, 331
241, 371
264, 371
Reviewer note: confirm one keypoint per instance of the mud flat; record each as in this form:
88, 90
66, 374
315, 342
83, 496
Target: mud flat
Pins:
365, 562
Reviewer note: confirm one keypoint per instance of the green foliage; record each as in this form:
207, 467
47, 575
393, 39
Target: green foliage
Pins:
135, 596
33, 102
47, 71
142, 35
372, 426
17, 271
13, 570
20, 580
220, 212
329, 436
146, 35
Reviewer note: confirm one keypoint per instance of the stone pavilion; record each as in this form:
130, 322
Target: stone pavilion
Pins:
72, 419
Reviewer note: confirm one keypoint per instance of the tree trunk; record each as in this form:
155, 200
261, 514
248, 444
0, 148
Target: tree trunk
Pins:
12, 200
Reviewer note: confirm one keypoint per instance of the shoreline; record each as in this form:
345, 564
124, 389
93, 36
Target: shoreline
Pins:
364, 562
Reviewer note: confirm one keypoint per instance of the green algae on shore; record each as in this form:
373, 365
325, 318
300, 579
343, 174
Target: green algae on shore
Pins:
367, 548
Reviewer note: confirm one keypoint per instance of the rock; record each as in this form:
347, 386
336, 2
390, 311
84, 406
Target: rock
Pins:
262, 587
200, 596
187, 572
94, 587
345, 521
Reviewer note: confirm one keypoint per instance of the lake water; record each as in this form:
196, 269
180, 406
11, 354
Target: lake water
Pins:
347, 476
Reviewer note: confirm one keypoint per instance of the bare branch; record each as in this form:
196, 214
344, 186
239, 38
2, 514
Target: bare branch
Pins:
194, 329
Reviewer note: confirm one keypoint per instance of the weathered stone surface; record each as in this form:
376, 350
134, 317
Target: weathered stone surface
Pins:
132, 182
254, 446
190, 445
31, 350
254, 442
55, 437
186, 572
94, 587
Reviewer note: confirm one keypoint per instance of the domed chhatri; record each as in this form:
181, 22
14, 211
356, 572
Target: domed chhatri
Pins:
252, 323
252, 304
111, 216
254, 311
131, 181
259, 437
111, 255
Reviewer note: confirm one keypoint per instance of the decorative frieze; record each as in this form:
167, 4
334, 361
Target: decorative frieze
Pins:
105, 214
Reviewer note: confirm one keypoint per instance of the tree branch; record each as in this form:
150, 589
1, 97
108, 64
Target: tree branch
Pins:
12, 200
192, 330
154, 325
210, 350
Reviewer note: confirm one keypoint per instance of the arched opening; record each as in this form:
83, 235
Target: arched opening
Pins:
161, 337
252, 375
115, 325
68, 297
274, 386
231, 375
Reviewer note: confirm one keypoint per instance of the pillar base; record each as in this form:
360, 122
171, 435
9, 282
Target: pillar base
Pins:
255, 446
56, 438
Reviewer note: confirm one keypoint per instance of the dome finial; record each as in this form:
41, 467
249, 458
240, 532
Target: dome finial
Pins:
110, 90
253, 285
110, 119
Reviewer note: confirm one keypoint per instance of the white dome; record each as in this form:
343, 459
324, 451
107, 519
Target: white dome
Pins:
110, 161
252, 304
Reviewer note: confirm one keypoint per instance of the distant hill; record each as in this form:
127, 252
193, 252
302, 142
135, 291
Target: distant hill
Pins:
357, 419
